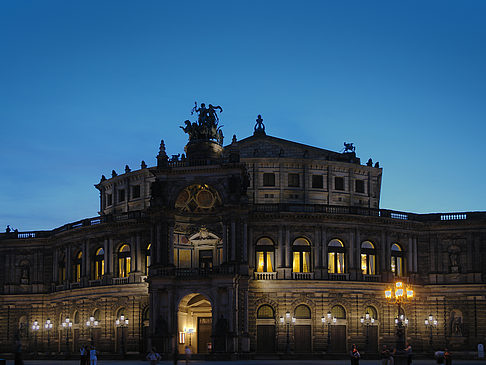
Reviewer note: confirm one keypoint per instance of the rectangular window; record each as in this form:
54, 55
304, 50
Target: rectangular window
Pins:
360, 186
121, 195
268, 179
317, 181
294, 180
135, 191
339, 183
296, 263
109, 200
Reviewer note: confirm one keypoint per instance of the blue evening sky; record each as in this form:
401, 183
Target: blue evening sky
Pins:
89, 86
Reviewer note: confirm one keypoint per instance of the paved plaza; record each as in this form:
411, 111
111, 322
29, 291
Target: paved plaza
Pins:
242, 362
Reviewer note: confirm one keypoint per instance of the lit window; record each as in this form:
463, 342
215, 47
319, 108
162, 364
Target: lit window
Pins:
124, 261
264, 255
99, 263
396, 264
301, 252
147, 258
78, 260
368, 258
335, 257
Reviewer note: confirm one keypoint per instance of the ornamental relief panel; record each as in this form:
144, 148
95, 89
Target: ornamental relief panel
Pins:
198, 198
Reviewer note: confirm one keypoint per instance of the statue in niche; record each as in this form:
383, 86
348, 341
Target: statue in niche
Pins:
456, 323
454, 253
24, 273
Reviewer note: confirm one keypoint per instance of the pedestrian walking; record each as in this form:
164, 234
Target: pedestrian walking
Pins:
408, 352
153, 357
93, 356
354, 355
439, 357
83, 355
187, 352
18, 353
385, 355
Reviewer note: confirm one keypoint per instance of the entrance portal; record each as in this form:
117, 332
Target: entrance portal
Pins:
194, 323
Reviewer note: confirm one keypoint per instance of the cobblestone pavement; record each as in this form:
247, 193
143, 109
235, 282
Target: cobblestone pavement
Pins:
241, 362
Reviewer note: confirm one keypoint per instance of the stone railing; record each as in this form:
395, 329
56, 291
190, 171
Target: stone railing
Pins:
265, 275
303, 275
339, 277
374, 278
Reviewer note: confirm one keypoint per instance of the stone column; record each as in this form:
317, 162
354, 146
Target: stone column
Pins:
87, 259
170, 238
251, 253
245, 242
138, 253
383, 266
225, 243
415, 255
410, 252
233, 240
280, 257
68, 264
317, 248
288, 249
55, 265
324, 248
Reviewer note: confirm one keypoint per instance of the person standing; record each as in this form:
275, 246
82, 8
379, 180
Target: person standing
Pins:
448, 357
83, 355
93, 356
408, 352
355, 355
187, 352
385, 355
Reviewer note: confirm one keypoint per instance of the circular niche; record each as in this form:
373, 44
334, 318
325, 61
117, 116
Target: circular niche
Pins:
198, 198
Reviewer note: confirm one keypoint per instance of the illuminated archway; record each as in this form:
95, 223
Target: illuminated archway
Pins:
194, 319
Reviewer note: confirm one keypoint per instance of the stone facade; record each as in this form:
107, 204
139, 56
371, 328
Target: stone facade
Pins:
263, 246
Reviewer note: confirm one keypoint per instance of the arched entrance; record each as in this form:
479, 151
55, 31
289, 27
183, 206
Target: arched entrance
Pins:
194, 319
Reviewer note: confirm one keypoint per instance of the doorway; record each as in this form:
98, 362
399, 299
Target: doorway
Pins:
194, 323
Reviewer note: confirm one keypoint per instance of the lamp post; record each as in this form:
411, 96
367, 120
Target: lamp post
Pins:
431, 323
122, 323
92, 322
48, 326
367, 321
35, 328
329, 319
287, 321
190, 331
67, 324
398, 294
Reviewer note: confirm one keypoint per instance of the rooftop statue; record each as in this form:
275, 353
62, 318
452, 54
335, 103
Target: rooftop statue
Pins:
349, 147
206, 128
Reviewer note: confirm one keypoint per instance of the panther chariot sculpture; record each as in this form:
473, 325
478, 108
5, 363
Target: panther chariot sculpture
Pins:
206, 128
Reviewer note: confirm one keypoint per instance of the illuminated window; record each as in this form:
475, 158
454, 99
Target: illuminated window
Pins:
301, 251
396, 264
265, 250
147, 261
335, 256
368, 258
124, 261
78, 260
99, 263
265, 312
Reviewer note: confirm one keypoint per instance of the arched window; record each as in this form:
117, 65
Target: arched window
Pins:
338, 312
97, 315
397, 266
78, 260
61, 265
265, 250
76, 317
265, 312
302, 312
147, 261
99, 263
124, 261
368, 258
301, 250
335, 256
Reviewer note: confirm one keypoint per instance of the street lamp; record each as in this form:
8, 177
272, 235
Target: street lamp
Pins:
48, 326
329, 319
35, 328
122, 323
399, 294
431, 323
367, 321
287, 321
67, 324
92, 322
190, 331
